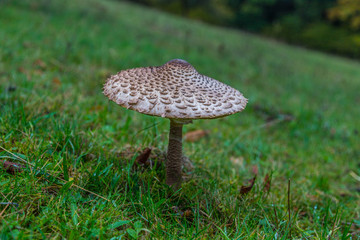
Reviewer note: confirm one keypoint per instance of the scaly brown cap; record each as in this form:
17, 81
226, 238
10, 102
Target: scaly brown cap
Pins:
174, 90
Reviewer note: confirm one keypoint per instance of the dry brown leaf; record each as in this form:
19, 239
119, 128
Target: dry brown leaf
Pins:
12, 168
246, 189
196, 135
143, 157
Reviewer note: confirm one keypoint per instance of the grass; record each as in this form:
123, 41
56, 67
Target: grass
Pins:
301, 123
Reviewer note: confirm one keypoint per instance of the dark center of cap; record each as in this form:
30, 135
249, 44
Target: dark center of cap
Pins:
178, 61
179, 64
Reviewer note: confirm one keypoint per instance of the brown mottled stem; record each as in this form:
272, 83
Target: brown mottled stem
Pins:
174, 155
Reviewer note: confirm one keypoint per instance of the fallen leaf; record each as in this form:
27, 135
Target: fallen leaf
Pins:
196, 135
144, 156
155, 155
267, 183
12, 168
246, 189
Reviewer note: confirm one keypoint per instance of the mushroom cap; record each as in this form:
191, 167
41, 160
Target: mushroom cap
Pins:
174, 90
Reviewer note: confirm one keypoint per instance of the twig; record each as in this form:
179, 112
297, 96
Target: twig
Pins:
289, 208
72, 185
1, 213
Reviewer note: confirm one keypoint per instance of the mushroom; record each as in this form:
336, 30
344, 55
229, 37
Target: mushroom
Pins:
178, 92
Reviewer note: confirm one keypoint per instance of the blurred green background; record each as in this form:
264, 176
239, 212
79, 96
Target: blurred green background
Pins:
328, 25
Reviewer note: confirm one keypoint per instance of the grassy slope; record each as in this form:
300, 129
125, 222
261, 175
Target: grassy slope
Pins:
55, 57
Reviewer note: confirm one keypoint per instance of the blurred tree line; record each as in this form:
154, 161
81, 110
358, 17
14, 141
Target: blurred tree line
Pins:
328, 25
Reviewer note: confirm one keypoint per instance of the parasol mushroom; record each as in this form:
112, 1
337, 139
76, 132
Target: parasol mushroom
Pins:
178, 92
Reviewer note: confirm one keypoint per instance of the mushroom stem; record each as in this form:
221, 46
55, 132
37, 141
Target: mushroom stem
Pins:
174, 155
